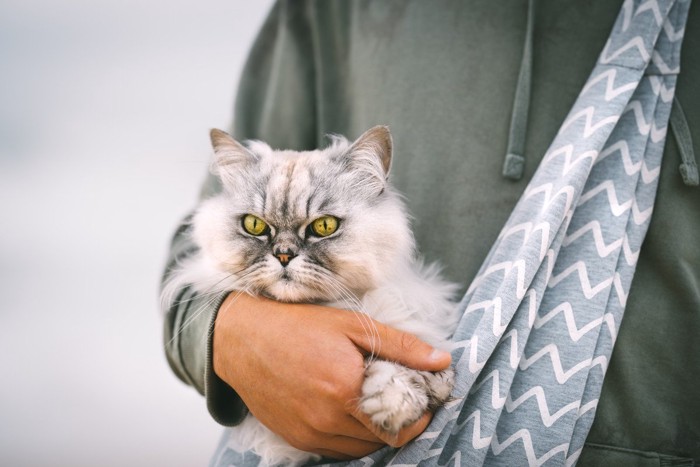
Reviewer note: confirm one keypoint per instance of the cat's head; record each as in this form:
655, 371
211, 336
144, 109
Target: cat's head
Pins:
305, 226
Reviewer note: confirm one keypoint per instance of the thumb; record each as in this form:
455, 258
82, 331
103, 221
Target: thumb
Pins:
391, 344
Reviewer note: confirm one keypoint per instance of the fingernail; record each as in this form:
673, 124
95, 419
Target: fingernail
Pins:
438, 354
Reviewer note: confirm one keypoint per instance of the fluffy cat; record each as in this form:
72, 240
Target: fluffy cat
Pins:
323, 226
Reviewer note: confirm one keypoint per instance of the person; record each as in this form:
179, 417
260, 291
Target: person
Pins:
443, 76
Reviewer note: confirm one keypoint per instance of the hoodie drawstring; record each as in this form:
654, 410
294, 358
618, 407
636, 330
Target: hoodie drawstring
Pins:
681, 132
514, 163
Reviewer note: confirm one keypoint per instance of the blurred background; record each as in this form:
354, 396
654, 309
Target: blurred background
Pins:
105, 108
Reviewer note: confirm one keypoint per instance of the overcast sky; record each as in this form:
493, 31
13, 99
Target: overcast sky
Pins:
105, 108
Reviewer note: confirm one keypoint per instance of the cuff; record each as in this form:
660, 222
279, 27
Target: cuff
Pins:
189, 336
224, 404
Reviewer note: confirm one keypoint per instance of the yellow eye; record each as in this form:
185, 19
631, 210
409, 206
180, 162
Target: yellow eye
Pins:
324, 226
254, 225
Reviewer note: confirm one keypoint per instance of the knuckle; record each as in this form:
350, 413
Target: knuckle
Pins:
303, 439
395, 441
321, 422
342, 389
408, 433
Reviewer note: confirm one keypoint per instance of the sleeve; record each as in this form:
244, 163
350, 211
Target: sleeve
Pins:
275, 103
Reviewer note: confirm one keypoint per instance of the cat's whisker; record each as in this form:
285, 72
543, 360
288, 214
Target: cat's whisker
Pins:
237, 293
167, 298
214, 295
368, 325
191, 319
210, 290
374, 333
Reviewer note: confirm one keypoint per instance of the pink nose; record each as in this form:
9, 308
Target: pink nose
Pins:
284, 257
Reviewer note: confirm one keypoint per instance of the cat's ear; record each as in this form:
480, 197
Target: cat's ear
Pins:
374, 146
228, 152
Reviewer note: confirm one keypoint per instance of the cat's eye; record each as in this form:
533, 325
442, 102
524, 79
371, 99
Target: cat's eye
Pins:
324, 226
254, 225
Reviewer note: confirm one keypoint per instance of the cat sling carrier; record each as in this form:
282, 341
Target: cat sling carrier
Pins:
541, 317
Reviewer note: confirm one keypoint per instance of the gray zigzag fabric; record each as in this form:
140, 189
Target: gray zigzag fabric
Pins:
541, 317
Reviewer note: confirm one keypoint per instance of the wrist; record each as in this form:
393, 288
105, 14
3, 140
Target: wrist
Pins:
228, 320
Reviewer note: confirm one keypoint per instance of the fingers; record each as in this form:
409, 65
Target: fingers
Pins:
352, 444
343, 447
353, 428
345, 426
404, 436
398, 346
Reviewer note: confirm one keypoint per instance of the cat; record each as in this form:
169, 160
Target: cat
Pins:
323, 226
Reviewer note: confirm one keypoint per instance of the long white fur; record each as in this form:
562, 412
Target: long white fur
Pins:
376, 269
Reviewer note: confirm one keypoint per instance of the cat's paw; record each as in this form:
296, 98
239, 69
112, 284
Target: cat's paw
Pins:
440, 385
394, 396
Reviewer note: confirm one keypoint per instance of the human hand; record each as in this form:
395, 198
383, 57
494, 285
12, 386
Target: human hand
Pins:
299, 369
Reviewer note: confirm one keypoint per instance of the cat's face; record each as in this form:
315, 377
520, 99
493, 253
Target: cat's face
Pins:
305, 226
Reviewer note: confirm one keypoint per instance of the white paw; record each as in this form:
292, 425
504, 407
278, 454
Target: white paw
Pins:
393, 396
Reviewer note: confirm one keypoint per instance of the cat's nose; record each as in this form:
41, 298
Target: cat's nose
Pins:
284, 256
